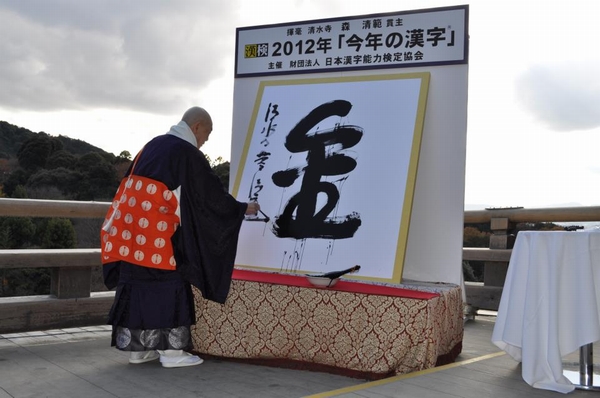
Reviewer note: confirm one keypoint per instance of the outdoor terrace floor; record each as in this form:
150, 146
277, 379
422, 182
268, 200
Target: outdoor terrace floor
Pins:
80, 363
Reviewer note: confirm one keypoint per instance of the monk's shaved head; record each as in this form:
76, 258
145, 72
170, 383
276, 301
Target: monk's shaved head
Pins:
196, 115
200, 124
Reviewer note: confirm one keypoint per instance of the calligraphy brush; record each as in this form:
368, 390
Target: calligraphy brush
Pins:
266, 218
337, 274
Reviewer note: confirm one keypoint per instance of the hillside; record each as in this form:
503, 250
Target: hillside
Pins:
41, 166
12, 138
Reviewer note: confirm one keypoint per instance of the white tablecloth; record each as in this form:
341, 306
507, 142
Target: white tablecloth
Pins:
550, 303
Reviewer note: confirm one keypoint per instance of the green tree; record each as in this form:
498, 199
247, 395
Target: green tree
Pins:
124, 156
88, 161
18, 177
468, 272
24, 282
17, 232
4, 235
108, 157
99, 183
472, 237
221, 169
61, 158
12, 137
34, 152
59, 234
5, 166
19, 192
66, 181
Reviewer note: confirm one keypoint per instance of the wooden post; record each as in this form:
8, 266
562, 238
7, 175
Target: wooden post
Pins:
71, 282
494, 273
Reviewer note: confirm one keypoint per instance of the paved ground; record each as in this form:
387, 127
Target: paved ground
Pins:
80, 363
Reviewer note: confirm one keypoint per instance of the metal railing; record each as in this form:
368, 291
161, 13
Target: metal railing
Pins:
71, 302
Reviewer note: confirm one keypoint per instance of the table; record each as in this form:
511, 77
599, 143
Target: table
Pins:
550, 305
363, 330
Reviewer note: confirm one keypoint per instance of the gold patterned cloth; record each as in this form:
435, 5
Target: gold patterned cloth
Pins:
356, 334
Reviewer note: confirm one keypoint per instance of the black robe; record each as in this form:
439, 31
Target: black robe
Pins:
204, 245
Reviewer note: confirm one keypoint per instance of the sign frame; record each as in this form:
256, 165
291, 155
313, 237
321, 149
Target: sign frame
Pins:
415, 38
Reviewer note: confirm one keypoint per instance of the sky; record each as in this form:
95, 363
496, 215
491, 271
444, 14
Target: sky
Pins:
116, 73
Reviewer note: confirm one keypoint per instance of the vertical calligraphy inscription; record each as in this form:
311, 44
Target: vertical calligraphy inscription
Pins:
301, 218
263, 156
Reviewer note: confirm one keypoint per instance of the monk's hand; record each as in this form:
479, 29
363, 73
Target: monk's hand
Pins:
253, 208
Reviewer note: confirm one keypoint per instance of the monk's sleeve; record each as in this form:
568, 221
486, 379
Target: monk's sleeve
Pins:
206, 242
110, 273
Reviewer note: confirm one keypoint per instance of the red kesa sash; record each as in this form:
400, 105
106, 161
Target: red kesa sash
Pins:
140, 223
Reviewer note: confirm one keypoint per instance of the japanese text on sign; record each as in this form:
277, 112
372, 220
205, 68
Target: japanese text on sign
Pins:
392, 40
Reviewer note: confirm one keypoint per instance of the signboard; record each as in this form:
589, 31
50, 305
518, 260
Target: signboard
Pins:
333, 164
396, 40
362, 162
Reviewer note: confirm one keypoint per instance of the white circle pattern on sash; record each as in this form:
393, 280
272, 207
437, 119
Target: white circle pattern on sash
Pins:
151, 189
146, 205
140, 240
143, 223
138, 255
161, 226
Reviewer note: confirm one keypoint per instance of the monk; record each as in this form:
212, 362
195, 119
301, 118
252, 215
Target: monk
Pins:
172, 224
